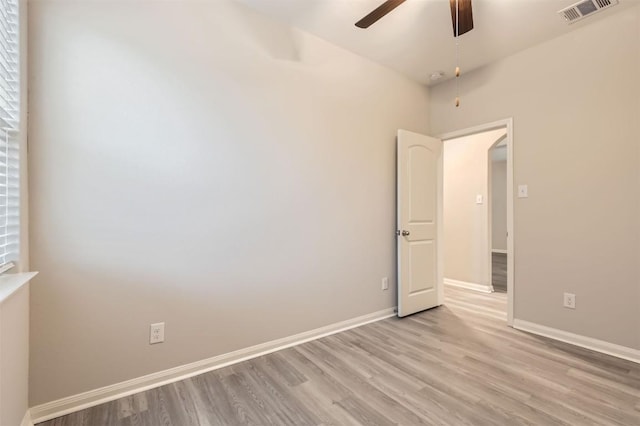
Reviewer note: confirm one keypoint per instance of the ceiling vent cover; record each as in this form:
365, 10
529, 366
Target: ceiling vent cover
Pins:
584, 8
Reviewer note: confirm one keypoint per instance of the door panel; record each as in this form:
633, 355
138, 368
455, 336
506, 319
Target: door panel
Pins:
422, 199
419, 222
422, 267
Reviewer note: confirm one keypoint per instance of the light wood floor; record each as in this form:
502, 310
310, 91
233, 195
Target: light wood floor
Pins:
458, 364
499, 271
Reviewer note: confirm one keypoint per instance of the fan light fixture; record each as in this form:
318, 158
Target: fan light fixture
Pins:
461, 18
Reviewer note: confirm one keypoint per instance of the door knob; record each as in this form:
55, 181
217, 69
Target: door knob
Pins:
405, 233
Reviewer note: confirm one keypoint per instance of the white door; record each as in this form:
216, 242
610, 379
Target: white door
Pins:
419, 222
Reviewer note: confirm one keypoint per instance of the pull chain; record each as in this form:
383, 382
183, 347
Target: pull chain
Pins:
457, 54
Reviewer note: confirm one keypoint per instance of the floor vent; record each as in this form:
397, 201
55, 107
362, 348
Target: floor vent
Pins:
585, 8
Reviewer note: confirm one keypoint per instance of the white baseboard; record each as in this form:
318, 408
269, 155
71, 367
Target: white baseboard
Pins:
597, 345
469, 286
60, 407
499, 251
26, 420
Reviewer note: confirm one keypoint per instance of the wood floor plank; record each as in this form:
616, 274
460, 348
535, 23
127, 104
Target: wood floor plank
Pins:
360, 384
216, 400
364, 413
458, 364
499, 271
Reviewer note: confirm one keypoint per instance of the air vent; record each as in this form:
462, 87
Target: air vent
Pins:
583, 9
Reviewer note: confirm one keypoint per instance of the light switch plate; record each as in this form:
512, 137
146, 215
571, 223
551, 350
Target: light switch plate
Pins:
385, 283
479, 199
569, 301
523, 191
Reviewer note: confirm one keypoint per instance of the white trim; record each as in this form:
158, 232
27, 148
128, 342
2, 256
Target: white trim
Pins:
10, 283
597, 345
98, 396
4, 268
469, 286
508, 123
499, 251
440, 227
510, 228
26, 420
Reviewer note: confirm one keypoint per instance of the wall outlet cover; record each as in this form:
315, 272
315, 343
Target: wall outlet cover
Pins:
156, 333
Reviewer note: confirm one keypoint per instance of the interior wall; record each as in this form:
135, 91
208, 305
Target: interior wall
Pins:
14, 357
199, 164
499, 205
466, 223
575, 103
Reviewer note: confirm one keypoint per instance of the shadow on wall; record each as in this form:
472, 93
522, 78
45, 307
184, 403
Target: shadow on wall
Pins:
182, 174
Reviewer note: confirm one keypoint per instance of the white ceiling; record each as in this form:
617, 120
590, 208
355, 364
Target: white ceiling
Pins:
416, 39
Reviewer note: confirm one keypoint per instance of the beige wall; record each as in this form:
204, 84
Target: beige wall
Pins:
575, 103
466, 223
14, 357
198, 164
499, 204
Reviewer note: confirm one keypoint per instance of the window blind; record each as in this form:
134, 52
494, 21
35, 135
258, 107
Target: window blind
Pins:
9, 133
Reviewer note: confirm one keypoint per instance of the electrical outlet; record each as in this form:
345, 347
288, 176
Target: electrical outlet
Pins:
156, 333
570, 300
385, 283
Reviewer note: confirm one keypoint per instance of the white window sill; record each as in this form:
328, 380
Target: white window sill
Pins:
10, 283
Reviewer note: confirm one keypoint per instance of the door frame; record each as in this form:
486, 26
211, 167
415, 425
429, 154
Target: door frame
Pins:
508, 123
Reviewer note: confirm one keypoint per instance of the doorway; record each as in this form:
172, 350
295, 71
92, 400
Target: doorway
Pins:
468, 215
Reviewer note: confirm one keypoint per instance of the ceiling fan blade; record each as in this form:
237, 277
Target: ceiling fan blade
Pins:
465, 15
378, 13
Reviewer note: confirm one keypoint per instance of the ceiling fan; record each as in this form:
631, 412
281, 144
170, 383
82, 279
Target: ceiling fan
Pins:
461, 18
459, 9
